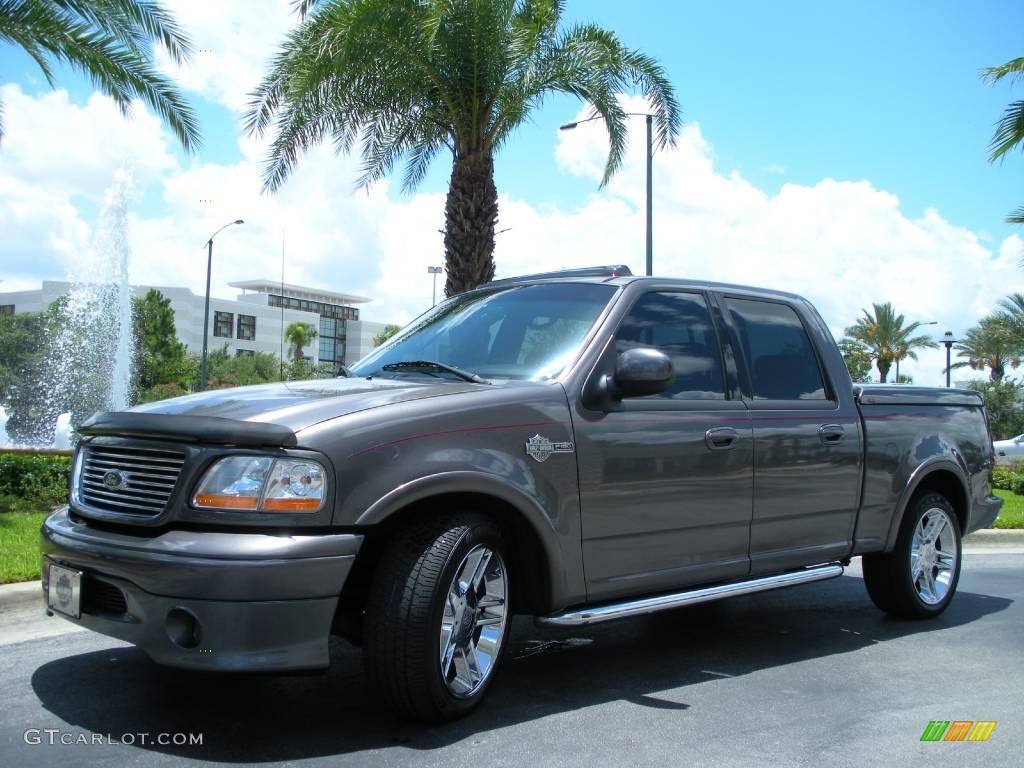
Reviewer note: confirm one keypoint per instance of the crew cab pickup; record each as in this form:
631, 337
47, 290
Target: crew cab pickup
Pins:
578, 446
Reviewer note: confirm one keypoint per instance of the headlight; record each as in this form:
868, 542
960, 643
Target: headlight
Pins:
262, 485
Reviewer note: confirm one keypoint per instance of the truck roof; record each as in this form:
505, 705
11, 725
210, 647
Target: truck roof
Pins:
621, 275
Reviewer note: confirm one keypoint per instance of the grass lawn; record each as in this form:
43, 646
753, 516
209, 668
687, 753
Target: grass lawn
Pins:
19, 546
1012, 513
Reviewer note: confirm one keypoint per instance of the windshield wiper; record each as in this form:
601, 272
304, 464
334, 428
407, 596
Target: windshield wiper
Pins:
411, 365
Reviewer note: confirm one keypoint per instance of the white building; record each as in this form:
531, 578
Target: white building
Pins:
253, 322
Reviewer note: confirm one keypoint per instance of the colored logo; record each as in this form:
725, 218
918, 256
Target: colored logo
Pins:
958, 730
540, 448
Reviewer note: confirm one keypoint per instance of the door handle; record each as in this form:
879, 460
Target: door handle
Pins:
721, 438
832, 434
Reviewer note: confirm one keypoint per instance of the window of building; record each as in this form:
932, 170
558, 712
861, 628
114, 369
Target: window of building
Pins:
6, 309
679, 325
327, 350
778, 352
245, 353
222, 324
246, 327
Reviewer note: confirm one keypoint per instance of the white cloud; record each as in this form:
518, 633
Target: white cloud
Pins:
233, 40
841, 243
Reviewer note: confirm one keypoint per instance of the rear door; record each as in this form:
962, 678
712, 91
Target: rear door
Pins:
666, 480
807, 440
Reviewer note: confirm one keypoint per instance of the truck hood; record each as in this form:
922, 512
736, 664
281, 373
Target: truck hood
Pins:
300, 404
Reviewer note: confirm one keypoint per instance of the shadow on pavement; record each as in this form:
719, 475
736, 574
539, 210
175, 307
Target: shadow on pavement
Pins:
252, 719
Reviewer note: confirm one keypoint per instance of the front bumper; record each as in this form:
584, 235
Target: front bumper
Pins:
251, 601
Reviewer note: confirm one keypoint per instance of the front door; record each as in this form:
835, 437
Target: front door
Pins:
666, 480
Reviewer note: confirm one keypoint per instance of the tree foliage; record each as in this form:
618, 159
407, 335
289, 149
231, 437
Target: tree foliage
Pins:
159, 357
1004, 406
858, 360
112, 43
993, 343
883, 333
1009, 131
405, 80
389, 331
298, 336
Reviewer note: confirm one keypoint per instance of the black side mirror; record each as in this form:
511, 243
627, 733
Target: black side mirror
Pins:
640, 372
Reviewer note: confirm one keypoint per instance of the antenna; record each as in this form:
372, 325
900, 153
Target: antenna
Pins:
281, 358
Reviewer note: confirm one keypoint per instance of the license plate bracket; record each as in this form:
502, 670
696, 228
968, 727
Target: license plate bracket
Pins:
64, 594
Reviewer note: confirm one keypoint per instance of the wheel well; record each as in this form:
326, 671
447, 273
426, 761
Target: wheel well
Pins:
528, 561
949, 485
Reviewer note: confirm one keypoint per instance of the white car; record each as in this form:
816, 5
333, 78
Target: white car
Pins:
1009, 450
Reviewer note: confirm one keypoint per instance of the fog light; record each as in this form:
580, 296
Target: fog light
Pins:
184, 629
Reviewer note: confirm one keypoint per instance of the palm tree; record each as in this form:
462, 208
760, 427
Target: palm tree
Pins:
886, 338
299, 335
1009, 131
990, 344
111, 41
406, 79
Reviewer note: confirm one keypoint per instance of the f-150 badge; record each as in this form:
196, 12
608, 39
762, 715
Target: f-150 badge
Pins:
540, 448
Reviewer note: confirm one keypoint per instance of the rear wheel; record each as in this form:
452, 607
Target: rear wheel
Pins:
437, 617
918, 579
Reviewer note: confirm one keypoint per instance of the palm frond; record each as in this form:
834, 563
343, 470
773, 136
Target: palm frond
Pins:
1014, 69
110, 41
1009, 131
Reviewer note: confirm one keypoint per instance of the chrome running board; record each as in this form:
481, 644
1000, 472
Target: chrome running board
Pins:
594, 614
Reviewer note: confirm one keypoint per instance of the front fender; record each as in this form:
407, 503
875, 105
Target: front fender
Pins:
528, 508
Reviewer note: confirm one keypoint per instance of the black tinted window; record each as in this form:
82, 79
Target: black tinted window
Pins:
679, 325
780, 357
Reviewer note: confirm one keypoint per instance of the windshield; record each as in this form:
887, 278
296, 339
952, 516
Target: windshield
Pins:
511, 332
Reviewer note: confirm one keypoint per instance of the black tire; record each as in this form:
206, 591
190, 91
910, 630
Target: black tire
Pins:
404, 612
889, 578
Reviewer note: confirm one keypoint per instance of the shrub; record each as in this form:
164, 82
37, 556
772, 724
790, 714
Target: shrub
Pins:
1017, 484
37, 481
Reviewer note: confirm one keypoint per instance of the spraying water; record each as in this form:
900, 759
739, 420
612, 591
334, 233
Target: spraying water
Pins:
92, 349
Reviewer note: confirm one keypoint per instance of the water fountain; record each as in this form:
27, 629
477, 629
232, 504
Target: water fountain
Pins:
92, 350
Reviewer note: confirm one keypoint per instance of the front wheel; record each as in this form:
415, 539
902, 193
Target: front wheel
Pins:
918, 579
437, 617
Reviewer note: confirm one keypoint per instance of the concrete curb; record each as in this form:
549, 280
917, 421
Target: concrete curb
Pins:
996, 537
24, 593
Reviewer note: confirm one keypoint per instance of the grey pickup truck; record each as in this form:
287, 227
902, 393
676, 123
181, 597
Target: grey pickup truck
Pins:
578, 446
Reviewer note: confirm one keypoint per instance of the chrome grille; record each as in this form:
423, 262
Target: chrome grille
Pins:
128, 479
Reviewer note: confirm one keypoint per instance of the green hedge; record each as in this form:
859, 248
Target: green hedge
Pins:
33, 482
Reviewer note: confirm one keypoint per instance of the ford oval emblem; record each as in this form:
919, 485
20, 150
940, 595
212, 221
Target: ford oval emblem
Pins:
114, 480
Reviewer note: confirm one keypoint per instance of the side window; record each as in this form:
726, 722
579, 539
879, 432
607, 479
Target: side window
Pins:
780, 357
679, 325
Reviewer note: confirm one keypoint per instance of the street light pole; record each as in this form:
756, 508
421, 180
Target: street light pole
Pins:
948, 341
206, 309
650, 179
435, 271
650, 195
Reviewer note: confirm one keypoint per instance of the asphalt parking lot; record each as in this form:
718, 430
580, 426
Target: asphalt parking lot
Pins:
809, 676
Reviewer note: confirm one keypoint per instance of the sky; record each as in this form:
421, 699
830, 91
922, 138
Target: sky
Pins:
833, 150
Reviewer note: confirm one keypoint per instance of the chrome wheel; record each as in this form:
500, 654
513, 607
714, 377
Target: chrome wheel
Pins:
933, 555
474, 621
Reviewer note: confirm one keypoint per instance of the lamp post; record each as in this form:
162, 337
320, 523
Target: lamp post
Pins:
435, 271
650, 175
206, 310
931, 322
948, 341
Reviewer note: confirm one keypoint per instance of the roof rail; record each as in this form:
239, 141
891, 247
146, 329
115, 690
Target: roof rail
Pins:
613, 270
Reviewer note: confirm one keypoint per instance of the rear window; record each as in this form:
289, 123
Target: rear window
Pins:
780, 358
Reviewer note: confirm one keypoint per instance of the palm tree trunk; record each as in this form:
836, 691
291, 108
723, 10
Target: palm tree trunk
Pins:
883, 371
470, 212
